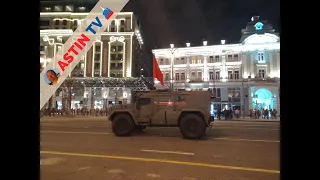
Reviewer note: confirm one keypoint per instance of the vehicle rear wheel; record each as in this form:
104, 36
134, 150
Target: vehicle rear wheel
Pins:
122, 125
192, 126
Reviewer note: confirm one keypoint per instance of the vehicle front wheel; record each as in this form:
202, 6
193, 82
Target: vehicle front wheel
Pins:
122, 125
192, 126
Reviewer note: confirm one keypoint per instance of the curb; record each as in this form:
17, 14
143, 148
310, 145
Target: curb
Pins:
248, 120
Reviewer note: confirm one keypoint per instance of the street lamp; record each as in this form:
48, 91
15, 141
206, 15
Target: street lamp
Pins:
141, 72
125, 95
172, 50
244, 96
105, 99
85, 98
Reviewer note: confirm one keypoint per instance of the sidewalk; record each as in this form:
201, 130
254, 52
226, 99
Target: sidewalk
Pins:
73, 118
248, 119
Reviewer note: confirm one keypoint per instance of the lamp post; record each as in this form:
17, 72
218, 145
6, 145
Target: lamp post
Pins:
172, 51
85, 98
244, 96
125, 95
105, 100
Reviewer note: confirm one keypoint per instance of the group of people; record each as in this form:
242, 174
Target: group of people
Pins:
228, 113
78, 112
263, 113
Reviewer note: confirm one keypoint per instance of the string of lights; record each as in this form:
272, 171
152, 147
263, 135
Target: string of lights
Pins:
136, 84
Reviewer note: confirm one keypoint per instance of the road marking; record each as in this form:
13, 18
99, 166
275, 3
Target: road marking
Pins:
253, 140
101, 133
164, 161
73, 132
168, 152
245, 128
248, 125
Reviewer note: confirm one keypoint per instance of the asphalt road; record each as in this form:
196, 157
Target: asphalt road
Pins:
84, 149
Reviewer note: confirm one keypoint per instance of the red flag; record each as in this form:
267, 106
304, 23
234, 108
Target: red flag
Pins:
157, 72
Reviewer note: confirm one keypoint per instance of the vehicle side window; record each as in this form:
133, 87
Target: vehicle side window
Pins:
144, 101
179, 98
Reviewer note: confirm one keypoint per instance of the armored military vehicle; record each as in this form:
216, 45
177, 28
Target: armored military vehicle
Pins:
188, 110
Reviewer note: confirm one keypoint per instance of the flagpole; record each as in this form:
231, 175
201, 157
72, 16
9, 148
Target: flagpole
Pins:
172, 50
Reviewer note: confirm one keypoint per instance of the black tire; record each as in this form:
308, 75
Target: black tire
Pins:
192, 126
122, 125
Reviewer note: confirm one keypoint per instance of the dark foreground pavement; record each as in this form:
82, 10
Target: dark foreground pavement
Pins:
87, 149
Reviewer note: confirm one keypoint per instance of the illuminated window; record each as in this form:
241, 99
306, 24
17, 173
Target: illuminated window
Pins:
217, 58
166, 77
57, 8
47, 9
177, 61
211, 75
82, 8
161, 61
183, 76
261, 58
177, 76
193, 76
120, 48
182, 61
236, 75
230, 75
199, 61
113, 48
199, 77
211, 60
217, 74
261, 73
69, 8
235, 57
64, 22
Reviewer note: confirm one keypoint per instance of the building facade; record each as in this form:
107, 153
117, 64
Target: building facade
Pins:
115, 54
244, 75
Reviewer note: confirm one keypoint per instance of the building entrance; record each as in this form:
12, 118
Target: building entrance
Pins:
263, 99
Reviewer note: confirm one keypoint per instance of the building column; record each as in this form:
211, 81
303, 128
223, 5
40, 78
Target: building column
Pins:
188, 68
53, 102
252, 73
244, 65
271, 71
223, 67
205, 68
278, 64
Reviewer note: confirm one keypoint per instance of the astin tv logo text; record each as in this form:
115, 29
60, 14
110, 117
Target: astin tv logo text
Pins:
79, 45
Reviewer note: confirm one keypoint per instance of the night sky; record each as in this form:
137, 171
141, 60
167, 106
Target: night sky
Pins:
178, 21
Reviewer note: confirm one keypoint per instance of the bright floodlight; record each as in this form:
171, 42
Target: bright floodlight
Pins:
172, 45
